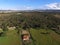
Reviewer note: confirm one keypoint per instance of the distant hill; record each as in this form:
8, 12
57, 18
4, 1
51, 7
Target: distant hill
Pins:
42, 10
35, 10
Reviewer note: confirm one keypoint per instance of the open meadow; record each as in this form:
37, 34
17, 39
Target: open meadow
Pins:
39, 37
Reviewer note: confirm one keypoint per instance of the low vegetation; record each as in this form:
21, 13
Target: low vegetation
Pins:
45, 39
10, 38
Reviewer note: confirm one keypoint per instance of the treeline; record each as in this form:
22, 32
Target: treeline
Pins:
32, 20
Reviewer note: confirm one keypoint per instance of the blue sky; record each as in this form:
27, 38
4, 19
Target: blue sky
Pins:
29, 4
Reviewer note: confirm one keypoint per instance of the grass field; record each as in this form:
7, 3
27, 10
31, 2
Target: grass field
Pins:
45, 39
12, 38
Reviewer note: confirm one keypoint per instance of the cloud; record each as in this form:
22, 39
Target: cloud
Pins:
27, 7
53, 6
24, 7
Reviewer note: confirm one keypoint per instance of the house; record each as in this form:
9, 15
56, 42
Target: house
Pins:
25, 35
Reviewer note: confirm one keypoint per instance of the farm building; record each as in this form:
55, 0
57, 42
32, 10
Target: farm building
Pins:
25, 35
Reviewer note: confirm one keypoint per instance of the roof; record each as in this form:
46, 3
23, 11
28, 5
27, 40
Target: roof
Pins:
24, 32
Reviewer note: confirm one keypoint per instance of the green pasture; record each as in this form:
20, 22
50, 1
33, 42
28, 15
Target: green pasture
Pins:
39, 37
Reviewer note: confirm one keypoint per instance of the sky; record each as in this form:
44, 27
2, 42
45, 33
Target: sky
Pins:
29, 4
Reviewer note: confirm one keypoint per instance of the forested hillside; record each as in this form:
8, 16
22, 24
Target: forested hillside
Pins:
43, 20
